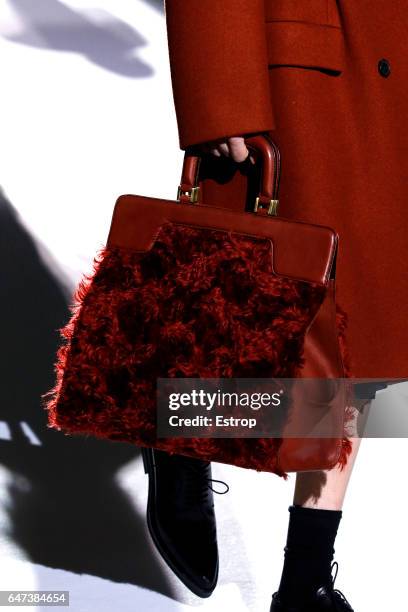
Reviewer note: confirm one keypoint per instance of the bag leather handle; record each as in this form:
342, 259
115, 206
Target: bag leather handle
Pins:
263, 146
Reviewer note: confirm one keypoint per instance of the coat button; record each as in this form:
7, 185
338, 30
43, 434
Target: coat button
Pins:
384, 68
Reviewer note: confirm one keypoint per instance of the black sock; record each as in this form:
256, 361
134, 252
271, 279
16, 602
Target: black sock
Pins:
309, 552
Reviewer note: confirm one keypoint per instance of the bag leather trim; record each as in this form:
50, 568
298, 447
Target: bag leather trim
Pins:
311, 260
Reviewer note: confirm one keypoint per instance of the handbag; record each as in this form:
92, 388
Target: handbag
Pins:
193, 290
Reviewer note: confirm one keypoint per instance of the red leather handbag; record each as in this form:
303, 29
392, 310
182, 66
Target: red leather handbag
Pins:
184, 289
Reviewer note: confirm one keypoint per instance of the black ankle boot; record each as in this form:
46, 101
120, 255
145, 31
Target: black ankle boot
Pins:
181, 518
325, 599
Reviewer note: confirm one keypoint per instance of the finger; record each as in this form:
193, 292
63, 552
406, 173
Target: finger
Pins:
223, 149
250, 158
215, 152
238, 149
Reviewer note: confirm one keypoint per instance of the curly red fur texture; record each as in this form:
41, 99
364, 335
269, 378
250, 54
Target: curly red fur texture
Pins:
350, 414
201, 303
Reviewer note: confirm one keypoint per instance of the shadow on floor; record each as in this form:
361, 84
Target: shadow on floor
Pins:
64, 507
157, 4
106, 41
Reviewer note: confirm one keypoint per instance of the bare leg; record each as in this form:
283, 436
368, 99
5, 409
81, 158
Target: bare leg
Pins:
326, 489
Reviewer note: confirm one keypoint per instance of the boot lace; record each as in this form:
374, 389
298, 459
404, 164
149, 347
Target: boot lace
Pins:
198, 484
337, 591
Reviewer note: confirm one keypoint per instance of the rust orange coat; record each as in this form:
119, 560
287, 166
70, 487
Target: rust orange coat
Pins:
307, 72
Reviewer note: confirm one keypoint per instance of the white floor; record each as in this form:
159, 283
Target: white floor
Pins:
85, 108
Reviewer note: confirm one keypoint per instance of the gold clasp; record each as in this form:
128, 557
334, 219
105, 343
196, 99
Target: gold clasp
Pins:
272, 208
192, 194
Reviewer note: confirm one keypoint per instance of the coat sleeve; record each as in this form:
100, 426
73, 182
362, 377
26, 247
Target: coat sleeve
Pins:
219, 68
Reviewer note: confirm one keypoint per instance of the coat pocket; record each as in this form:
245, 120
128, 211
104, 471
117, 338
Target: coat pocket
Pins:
305, 34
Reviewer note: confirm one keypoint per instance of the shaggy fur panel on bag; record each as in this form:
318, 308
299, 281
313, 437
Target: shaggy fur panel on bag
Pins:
199, 304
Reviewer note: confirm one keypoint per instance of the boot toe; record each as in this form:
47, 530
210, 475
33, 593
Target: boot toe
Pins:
190, 549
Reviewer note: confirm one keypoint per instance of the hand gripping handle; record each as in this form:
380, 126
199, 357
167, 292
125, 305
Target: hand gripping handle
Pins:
267, 200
